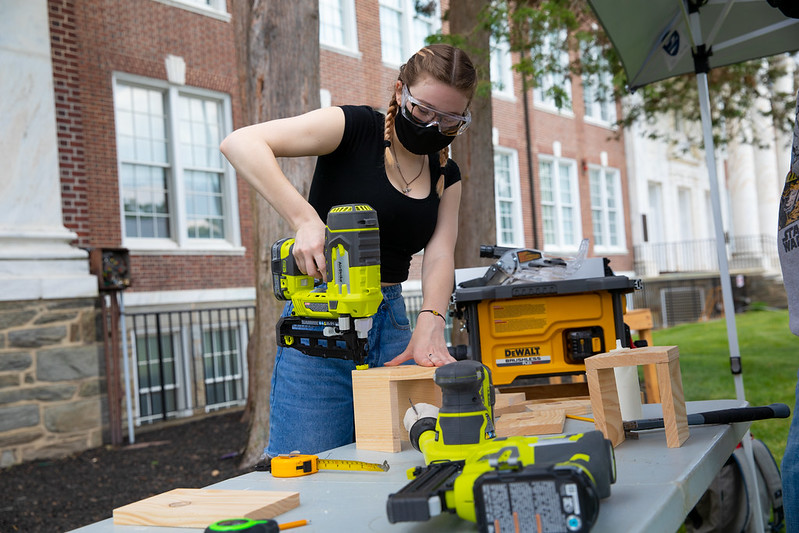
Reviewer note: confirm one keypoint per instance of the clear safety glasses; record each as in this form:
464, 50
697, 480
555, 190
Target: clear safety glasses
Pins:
426, 116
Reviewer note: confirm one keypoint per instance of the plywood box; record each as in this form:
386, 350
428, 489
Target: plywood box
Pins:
380, 398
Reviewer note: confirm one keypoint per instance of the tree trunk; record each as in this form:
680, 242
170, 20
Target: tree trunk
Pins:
473, 151
279, 72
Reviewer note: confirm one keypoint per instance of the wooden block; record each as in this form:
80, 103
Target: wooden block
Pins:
605, 403
675, 420
639, 319
574, 406
198, 508
561, 390
633, 357
542, 422
380, 399
504, 400
651, 387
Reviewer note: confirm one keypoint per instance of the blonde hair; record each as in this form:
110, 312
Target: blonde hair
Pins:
444, 63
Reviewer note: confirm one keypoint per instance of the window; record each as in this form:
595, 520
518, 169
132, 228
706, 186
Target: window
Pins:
600, 104
404, 25
176, 190
224, 376
501, 69
560, 208
507, 198
607, 215
161, 388
337, 26
553, 89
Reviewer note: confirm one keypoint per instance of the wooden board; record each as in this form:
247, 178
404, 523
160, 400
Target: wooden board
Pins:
198, 508
530, 423
573, 406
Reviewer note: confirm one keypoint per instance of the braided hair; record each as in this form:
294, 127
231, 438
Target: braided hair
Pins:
444, 63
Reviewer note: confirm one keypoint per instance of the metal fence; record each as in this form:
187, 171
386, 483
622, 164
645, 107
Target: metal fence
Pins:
413, 304
188, 361
745, 253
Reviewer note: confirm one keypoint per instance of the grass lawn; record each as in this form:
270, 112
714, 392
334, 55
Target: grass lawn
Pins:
770, 359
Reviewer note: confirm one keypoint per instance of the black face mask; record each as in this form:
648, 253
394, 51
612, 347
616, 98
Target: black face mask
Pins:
418, 139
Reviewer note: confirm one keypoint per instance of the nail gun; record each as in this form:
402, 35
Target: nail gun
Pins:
513, 484
332, 319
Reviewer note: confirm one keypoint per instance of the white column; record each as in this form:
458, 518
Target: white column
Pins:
767, 171
742, 175
36, 257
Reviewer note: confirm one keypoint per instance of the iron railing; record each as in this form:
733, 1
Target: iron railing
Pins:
413, 304
188, 361
745, 253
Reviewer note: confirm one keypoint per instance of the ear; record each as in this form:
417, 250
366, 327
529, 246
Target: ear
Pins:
398, 91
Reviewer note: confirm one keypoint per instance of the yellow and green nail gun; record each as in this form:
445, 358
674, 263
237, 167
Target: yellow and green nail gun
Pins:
332, 319
540, 484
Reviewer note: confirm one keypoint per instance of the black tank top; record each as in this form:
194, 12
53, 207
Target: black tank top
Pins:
355, 173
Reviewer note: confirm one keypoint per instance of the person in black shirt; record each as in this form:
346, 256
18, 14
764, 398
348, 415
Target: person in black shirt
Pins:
398, 164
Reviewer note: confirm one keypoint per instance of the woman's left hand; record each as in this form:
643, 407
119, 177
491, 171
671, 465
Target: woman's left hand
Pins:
428, 346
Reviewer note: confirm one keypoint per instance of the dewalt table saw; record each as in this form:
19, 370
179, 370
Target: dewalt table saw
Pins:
543, 329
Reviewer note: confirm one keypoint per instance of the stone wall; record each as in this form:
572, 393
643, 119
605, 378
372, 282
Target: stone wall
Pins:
51, 379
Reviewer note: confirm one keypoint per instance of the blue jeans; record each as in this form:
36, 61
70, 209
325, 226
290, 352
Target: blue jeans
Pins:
790, 472
311, 400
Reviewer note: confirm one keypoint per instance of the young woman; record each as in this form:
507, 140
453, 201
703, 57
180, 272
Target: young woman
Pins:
398, 165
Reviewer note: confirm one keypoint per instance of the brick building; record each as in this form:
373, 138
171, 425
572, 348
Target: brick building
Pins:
113, 126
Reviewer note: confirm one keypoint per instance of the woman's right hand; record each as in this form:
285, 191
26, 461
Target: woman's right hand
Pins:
309, 248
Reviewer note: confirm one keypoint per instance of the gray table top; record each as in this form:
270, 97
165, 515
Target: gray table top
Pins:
655, 489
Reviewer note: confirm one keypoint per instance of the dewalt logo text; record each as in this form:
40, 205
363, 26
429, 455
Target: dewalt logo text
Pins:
523, 351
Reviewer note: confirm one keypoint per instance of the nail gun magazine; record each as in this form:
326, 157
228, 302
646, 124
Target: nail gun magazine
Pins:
332, 319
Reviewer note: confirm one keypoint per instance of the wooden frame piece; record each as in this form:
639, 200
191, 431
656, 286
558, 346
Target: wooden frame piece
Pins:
381, 396
605, 397
640, 320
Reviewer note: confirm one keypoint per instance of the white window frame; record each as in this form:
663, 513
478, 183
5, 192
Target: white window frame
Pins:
514, 199
349, 44
237, 331
541, 99
501, 70
560, 244
210, 8
183, 385
592, 85
410, 43
180, 242
609, 178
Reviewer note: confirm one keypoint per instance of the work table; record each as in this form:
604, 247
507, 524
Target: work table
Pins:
655, 488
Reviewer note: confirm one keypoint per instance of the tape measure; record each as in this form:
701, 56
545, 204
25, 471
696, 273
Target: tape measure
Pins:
295, 465
244, 524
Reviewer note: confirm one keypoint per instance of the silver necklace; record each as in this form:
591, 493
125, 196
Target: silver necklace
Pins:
407, 183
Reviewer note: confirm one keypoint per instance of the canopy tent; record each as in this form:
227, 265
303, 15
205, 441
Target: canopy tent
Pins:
659, 39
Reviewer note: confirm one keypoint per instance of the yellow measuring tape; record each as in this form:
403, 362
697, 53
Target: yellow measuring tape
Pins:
295, 465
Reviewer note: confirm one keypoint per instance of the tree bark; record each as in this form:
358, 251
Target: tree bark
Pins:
279, 74
474, 151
